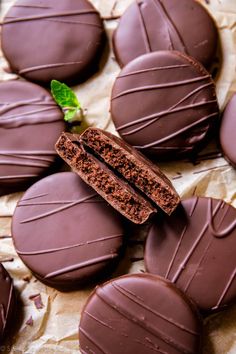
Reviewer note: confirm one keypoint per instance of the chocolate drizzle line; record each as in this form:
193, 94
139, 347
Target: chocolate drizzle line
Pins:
146, 326
144, 30
195, 244
10, 119
177, 66
66, 206
53, 250
28, 164
35, 101
156, 116
227, 287
186, 128
85, 333
161, 86
171, 30
223, 232
98, 320
170, 27
9, 20
136, 300
34, 158
75, 22
32, 6
81, 265
2, 178
47, 66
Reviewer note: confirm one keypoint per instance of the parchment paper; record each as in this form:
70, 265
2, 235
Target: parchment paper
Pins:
54, 328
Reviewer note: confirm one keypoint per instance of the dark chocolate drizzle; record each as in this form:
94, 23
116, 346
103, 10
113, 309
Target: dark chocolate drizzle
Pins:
176, 133
137, 300
92, 340
226, 289
178, 43
217, 233
161, 86
144, 30
154, 117
158, 333
177, 66
57, 210
53, 250
184, 262
9, 20
47, 66
175, 40
81, 265
208, 234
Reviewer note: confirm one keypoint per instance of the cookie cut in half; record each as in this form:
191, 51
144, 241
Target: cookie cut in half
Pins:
121, 175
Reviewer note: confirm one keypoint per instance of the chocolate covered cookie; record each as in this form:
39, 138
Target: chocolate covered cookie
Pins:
65, 233
164, 104
7, 302
139, 313
53, 39
152, 25
228, 131
30, 123
195, 249
121, 175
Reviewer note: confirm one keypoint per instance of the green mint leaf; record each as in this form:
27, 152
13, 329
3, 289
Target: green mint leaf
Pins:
70, 114
64, 96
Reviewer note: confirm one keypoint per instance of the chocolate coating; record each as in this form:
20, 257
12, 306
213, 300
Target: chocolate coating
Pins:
195, 249
64, 232
139, 313
30, 123
152, 25
164, 104
53, 39
228, 131
7, 301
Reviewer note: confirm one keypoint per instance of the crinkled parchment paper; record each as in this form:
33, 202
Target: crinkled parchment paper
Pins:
54, 327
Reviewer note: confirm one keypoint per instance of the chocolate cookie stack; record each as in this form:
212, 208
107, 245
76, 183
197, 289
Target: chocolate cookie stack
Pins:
71, 228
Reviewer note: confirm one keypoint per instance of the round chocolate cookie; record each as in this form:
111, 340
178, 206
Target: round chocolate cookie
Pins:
164, 104
7, 301
53, 39
30, 124
139, 313
228, 131
152, 25
64, 232
195, 249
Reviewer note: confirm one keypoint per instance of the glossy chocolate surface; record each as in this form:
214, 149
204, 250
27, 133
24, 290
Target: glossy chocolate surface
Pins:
64, 232
164, 104
228, 131
7, 301
139, 313
195, 249
30, 123
152, 25
52, 39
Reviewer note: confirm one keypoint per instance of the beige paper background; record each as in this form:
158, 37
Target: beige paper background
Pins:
55, 327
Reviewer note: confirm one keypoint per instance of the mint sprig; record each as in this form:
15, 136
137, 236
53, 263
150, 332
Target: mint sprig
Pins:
67, 100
